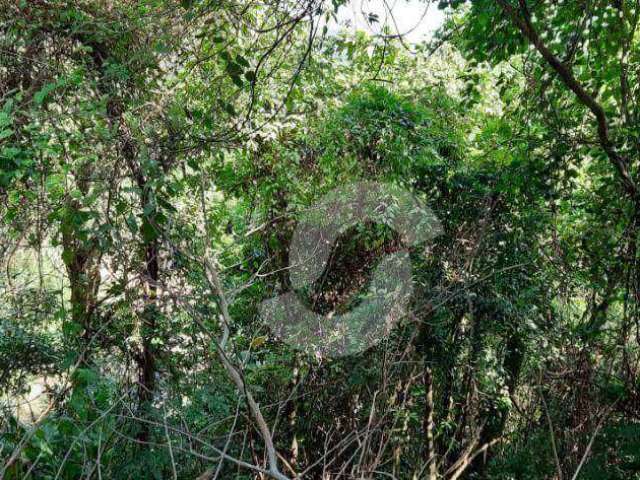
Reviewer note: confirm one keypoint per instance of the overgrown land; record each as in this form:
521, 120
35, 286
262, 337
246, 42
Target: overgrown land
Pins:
156, 157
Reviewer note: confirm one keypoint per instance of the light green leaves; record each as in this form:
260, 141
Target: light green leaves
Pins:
43, 93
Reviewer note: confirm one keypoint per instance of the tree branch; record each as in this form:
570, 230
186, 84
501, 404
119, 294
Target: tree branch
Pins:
522, 19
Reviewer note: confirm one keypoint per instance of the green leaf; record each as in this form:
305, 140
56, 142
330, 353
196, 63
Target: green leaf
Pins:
230, 109
5, 119
42, 94
132, 224
5, 134
148, 231
242, 61
237, 81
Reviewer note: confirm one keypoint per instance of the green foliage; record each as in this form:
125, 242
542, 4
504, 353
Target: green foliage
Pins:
155, 158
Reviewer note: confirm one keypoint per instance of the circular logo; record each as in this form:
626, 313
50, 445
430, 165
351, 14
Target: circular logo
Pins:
391, 286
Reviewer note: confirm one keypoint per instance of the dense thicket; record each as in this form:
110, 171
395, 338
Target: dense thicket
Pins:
156, 157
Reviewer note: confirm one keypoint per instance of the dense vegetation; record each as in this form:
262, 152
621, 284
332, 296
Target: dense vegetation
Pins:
155, 159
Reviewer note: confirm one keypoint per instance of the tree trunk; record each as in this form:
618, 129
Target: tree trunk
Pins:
428, 426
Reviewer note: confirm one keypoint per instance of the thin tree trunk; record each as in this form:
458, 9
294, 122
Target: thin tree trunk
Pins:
428, 426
